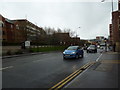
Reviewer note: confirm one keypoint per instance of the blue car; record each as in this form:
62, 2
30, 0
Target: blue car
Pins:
73, 52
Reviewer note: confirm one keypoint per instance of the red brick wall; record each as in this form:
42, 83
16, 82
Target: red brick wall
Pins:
115, 22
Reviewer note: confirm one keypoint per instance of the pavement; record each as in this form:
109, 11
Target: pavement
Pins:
105, 73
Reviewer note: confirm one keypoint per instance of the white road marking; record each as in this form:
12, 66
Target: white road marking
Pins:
98, 57
37, 60
6, 68
44, 54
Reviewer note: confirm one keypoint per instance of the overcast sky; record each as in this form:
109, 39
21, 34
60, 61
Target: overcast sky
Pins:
93, 18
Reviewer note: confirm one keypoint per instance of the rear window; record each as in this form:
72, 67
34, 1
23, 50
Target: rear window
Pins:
72, 48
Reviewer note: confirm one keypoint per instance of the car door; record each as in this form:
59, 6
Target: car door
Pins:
78, 50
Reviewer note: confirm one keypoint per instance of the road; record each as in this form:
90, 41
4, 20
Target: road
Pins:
40, 71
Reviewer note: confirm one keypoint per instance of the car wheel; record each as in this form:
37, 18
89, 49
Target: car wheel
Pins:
96, 51
87, 51
82, 56
64, 58
77, 56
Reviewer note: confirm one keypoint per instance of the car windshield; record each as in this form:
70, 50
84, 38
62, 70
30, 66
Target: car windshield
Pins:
72, 48
91, 46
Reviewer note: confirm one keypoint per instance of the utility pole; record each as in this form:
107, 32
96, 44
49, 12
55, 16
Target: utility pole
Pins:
119, 5
36, 36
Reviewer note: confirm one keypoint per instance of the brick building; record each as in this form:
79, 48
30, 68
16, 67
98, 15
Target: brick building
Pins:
75, 41
18, 31
7, 28
62, 38
26, 30
115, 28
111, 33
65, 39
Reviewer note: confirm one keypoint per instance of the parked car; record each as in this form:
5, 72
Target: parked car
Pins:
92, 48
73, 52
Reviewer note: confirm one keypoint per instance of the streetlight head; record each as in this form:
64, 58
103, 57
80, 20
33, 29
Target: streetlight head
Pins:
102, 0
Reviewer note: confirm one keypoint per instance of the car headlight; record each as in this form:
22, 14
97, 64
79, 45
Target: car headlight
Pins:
63, 52
73, 52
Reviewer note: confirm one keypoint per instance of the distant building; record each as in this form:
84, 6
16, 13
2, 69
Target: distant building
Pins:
65, 39
62, 38
75, 41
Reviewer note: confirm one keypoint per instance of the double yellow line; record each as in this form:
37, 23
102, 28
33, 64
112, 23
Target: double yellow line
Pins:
70, 77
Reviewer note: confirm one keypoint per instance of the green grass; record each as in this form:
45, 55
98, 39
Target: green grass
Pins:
47, 49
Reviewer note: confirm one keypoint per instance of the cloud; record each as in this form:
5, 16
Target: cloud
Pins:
92, 17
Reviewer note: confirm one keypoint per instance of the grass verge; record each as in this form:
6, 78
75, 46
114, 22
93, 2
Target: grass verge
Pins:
47, 49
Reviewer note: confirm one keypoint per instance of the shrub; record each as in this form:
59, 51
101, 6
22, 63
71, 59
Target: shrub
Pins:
9, 52
19, 52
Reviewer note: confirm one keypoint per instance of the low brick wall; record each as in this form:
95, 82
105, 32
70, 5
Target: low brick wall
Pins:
118, 46
13, 49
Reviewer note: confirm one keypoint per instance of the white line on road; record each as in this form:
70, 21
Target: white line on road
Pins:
98, 57
6, 68
37, 60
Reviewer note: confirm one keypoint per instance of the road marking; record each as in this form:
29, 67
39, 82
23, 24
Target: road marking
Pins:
6, 68
71, 76
69, 79
36, 60
44, 54
98, 57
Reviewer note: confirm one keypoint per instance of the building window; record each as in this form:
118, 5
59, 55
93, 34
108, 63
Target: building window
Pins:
11, 26
1, 25
3, 32
4, 39
17, 27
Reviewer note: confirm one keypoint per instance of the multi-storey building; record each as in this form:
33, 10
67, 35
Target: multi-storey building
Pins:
116, 28
7, 28
26, 30
18, 31
111, 33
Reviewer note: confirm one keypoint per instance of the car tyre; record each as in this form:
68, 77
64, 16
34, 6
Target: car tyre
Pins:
77, 56
64, 58
87, 51
82, 56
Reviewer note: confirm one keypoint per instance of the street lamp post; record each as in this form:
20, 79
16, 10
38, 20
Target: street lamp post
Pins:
77, 32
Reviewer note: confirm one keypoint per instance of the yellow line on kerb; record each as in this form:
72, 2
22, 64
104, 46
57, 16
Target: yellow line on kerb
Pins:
71, 76
63, 80
68, 80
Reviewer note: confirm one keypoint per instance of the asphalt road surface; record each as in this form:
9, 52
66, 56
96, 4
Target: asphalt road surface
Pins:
42, 70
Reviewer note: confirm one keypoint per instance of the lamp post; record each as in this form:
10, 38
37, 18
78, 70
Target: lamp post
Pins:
76, 31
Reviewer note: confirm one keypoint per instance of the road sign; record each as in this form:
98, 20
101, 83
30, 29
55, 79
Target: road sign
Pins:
27, 43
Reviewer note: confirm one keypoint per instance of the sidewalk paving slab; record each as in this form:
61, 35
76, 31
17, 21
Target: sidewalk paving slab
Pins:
103, 74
